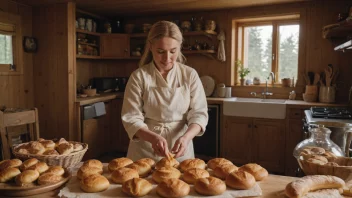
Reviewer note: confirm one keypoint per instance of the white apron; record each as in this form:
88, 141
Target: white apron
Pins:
164, 101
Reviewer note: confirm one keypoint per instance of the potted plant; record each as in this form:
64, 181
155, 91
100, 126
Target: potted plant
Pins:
243, 72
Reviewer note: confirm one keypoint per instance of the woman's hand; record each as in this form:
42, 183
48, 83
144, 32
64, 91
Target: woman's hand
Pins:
159, 144
180, 146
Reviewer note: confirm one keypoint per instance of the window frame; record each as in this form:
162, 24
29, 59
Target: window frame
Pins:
276, 23
13, 20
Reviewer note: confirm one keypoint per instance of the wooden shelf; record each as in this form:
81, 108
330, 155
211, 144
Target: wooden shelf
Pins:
87, 32
207, 53
87, 56
344, 46
90, 44
337, 30
99, 98
193, 33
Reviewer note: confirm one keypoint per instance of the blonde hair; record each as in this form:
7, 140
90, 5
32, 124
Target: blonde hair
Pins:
159, 30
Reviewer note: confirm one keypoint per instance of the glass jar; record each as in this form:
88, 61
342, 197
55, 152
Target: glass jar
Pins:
319, 137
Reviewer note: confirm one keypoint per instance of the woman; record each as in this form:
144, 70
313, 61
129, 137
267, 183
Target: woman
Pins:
164, 105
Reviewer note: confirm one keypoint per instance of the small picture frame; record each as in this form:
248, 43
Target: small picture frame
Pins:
30, 44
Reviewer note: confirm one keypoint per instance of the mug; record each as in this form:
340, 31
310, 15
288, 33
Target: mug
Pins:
227, 92
221, 92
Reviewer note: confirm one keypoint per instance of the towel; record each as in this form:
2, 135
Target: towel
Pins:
99, 108
221, 48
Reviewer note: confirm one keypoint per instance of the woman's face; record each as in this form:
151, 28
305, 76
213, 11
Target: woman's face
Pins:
165, 52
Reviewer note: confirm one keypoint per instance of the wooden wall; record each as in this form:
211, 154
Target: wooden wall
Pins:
17, 90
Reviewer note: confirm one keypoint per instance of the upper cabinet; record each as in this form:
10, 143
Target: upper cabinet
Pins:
115, 46
341, 31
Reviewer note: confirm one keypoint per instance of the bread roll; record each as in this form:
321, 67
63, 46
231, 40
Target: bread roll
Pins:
302, 186
60, 141
192, 163
93, 163
210, 186
241, 180
119, 163
77, 147
94, 183
36, 148
57, 170
48, 144
51, 152
23, 151
65, 148
28, 163
86, 170
26, 177
142, 168
123, 174
14, 163
224, 170
137, 187
164, 173
317, 159
8, 173
41, 167
167, 162
256, 170
172, 188
191, 175
49, 178
149, 161
213, 163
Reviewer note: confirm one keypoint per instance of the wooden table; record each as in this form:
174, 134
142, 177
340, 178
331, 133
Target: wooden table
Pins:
273, 186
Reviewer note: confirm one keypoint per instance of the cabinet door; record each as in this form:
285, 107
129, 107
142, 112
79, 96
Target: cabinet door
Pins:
269, 144
90, 136
294, 135
115, 46
235, 140
123, 139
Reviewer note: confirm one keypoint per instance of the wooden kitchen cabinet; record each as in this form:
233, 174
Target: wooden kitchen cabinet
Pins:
254, 140
115, 46
119, 138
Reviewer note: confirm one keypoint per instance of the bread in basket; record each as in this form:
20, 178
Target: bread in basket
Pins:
64, 153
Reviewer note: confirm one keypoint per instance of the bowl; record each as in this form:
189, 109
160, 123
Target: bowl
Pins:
90, 92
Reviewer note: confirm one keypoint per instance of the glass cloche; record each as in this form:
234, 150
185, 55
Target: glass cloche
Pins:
320, 137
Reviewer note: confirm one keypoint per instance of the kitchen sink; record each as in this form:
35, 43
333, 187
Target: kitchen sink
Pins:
255, 108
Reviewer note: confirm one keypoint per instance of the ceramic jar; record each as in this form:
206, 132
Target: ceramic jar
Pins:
107, 27
210, 25
89, 25
82, 23
186, 26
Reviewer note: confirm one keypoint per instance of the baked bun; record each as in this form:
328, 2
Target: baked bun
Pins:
256, 170
85, 171
48, 144
77, 147
123, 174
192, 163
36, 148
23, 151
149, 161
142, 168
137, 187
26, 177
60, 141
94, 183
41, 167
191, 175
57, 170
213, 163
210, 186
167, 162
28, 163
65, 148
49, 178
8, 173
164, 173
224, 170
93, 163
241, 180
13, 163
172, 188
317, 159
119, 163
51, 152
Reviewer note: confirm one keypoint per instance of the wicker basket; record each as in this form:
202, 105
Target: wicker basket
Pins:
66, 161
343, 171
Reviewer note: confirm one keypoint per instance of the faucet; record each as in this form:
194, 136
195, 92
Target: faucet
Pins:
266, 92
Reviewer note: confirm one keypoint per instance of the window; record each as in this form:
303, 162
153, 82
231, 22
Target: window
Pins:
269, 46
6, 53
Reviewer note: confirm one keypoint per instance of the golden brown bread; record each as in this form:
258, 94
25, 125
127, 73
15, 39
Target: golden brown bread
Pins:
210, 186
48, 144
256, 170
14, 163
51, 152
302, 186
149, 161
241, 180
36, 148
191, 175
57, 170
65, 148
94, 183
93, 163
41, 167
223, 170
49, 178
119, 163
192, 163
77, 147
142, 168
317, 159
28, 163
137, 187
60, 141
165, 173
123, 174
86, 170
172, 188
167, 162
8, 173
26, 177
213, 163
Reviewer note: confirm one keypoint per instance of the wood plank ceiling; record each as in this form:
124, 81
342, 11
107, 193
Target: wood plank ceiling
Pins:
143, 7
